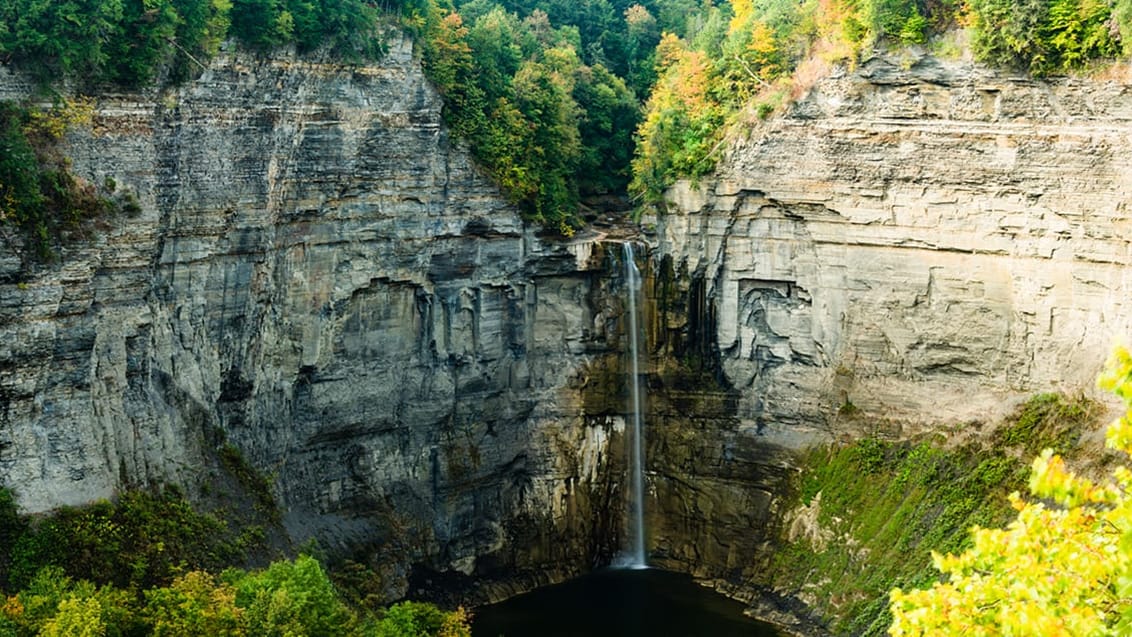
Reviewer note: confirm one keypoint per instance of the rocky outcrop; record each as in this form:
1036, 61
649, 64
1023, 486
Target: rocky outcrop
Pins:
913, 246
923, 241
321, 278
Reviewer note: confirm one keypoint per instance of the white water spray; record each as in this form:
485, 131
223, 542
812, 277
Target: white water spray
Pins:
636, 550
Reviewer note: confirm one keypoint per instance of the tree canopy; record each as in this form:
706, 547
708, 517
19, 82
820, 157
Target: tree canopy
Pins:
561, 100
289, 598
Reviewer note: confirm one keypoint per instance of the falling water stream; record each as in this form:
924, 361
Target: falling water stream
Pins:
636, 549
630, 599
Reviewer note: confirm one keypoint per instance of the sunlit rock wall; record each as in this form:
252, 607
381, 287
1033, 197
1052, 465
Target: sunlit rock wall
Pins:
925, 241
913, 246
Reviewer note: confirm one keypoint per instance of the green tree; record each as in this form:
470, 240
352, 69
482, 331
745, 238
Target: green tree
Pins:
76, 617
494, 39
290, 598
143, 540
415, 619
551, 146
609, 116
60, 38
262, 24
12, 524
643, 34
202, 26
195, 604
1122, 18
54, 604
140, 43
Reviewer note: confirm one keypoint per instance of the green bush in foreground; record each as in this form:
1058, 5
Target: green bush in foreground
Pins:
289, 598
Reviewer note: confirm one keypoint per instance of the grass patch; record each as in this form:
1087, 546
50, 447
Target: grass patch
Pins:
886, 506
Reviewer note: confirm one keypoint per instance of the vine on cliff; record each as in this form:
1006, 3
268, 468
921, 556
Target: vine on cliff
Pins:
878, 509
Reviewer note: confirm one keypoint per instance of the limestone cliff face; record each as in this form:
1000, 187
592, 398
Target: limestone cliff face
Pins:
927, 243
920, 243
321, 278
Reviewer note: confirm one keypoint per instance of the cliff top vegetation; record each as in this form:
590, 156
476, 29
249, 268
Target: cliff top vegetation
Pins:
564, 101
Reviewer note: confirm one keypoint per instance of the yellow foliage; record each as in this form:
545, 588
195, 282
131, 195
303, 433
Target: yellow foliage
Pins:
12, 607
53, 123
77, 617
1061, 570
456, 624
669, 50
743, 9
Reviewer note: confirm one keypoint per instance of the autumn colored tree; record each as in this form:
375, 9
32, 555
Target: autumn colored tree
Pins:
195, 604
1063, 567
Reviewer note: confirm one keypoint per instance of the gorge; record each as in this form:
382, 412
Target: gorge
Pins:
321, 278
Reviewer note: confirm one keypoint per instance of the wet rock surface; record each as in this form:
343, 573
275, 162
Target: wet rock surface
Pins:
319, 277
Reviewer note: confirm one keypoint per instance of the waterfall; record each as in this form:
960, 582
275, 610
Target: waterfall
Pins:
635, 557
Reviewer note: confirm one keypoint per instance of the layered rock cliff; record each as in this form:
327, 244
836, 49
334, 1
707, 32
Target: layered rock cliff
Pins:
320, 278
924, 242
914, 246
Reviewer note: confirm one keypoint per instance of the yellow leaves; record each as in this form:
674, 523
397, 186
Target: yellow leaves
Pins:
1064, 570
1049, 478
1117, 378
12, 607
762, 39
685, 78
744, 10
638, 18
53, 123
456, 624
669, 51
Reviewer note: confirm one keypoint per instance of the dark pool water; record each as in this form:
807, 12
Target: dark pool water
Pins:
620, 603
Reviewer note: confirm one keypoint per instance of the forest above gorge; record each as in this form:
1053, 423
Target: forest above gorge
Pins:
561, 102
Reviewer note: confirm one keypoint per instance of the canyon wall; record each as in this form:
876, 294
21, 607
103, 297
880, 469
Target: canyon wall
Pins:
924, 241
912, 246
321, 283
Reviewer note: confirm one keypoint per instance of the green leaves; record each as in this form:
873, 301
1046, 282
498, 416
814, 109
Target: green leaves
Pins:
545, 125
1044, 36
289, 598
127, 42
38, 194
56, 38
